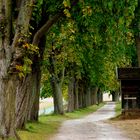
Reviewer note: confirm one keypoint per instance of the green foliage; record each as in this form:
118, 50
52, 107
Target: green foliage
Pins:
37, 11
92, 40
45, 90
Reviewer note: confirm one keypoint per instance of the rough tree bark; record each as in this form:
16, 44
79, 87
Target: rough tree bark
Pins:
76, 95
83, 94
71, 94
57, 96
23, 94
88, 95
34, 100
27, 100
80, 93
94, 91
10, 55
7, 106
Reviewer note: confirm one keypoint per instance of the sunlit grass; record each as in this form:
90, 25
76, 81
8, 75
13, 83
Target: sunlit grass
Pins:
83, 112
48, 125
118, 108
117, 111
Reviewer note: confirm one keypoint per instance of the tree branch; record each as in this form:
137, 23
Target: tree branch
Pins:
24, 16
45, 28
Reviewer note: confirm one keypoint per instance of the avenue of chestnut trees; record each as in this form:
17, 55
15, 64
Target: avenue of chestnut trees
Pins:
70, 45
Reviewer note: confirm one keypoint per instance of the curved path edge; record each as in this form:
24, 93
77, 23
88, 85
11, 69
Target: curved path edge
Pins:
91, 127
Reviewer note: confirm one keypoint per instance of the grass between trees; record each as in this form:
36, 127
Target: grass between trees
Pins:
48, 125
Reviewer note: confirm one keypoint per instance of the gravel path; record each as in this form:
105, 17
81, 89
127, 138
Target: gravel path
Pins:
91, 127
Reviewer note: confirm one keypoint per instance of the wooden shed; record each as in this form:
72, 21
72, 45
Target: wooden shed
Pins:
129, 88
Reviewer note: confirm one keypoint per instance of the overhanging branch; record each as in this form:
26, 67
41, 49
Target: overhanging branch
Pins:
45, 28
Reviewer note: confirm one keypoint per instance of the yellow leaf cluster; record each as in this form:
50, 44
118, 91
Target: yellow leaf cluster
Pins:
30, 48
67, 13
87, 11
19, 67
26, 45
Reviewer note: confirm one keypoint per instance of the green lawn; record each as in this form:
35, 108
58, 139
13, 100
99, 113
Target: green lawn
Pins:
42, 130
48, 125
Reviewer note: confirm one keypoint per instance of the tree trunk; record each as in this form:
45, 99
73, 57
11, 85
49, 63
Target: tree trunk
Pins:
88, 94
76, 95
7, 81
115, 96
56, 84
36, 76
83, 95
34, 101
10, 56
80, 94
94, 95
71, 95
27, 103
27, 99
7, 107
99, 96
57, 96
23, 98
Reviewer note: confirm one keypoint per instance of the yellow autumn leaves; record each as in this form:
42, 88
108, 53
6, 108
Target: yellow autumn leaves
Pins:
86, 9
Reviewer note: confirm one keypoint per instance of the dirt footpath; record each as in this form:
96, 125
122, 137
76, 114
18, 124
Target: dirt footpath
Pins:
91, 127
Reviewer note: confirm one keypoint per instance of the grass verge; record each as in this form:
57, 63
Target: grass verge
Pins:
48, 125
83, 112
118, 108
117, 111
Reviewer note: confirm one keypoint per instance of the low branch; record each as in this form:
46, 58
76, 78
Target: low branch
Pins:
45, 28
